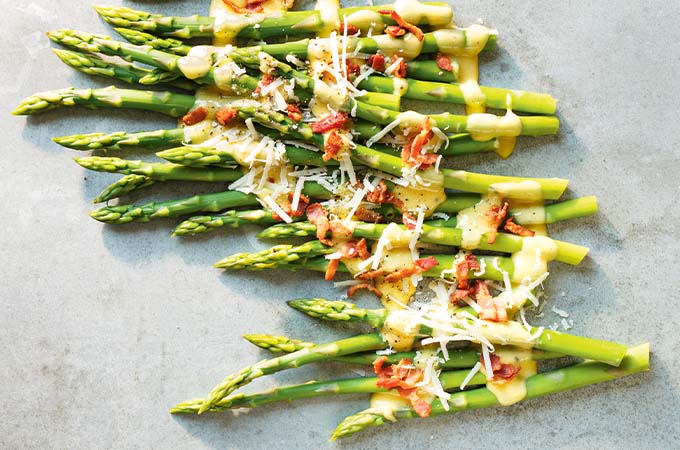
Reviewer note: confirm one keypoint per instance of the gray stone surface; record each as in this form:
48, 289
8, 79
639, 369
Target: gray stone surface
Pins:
102, 328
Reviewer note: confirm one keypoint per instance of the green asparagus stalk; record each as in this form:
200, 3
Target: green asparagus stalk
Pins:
504, 243
276, 256
364, 385
93, 65
158, 171
309, 355
288, 23
200, 224
168, 103
560, 380
459, 358
174, 46
497, 333
123, 186
121, 139
219, 201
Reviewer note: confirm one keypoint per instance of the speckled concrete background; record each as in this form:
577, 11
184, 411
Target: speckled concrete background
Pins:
103, 328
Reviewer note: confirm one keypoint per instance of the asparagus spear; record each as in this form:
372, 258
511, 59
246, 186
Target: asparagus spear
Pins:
258, 26
322, 352
174, 46
219, 201
232, 218
505, 242
121, 139
560, 380
158, 171
123, 186
497, 333
363, 385
93, 65
458, 358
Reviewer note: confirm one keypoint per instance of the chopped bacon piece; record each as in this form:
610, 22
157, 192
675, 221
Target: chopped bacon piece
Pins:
497, 216
303, 201
463, 268
417, 32
514, 228
403, 377
381, 195
502, 373
266, 80
351, 29
367, 215
444, 62
337, 227
370, 275
493, 309
254, 5
395, 31
294, 113
319, 217
400, 70
332, 267
195, 116
333, 145
408, 220
376, 62
369, 286
419, 266
362, 249
225, 114
302, 205
330, 122
458, 295
352, 68
412, 152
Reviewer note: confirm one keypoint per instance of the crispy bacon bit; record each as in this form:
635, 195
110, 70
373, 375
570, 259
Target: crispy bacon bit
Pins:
302, 205
419, 266
395, 31
493, 309
225, 114
514, 228
362, 249
403, 377
412, 152
319, 217
254, 5
497, 216
370, 275
502, 373
400, 70
458, 295
381, 195
408, 220
294, 113
352, 68
376, 62
337, 227
332, 146
367, 215
195, 116
463, 269
266, 80
417, 32
351, 29
330, 122
303, 201
444, 62
354, 288
332, 267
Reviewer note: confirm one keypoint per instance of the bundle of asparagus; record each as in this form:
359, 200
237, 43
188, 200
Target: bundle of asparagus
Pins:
300, 114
